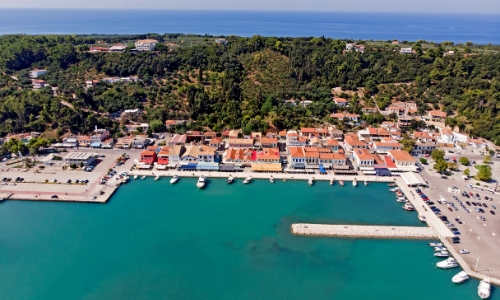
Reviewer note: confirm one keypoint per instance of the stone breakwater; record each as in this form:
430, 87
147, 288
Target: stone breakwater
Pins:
361, 231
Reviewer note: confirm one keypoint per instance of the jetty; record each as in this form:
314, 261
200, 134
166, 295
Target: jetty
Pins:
365, 231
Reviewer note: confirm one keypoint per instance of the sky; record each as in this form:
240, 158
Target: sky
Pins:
437, 6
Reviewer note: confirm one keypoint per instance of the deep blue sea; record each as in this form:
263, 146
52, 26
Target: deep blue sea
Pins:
459, 28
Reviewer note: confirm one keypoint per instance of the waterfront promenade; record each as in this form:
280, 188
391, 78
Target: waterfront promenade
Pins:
365, 231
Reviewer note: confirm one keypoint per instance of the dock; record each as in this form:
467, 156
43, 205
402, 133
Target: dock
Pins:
365, 231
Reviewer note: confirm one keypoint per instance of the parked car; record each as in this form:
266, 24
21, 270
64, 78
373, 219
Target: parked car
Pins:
54, 196
492, 212
458, 220
482, 218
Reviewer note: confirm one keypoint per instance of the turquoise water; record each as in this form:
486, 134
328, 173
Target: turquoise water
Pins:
156, 241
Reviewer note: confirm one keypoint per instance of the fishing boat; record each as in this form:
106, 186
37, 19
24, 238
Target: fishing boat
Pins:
143, 176
332, 181
442, 254
483, 290
408, 207
447, 263
435, 244
460, 277
135, 177
366, 182
311, 181
271, 180
354, 183
174, 179
157, 177
440, 248
341, 183
202, 181
230, 179
422, 218
247, 180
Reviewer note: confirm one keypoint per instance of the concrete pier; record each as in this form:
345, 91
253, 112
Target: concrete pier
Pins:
361, 231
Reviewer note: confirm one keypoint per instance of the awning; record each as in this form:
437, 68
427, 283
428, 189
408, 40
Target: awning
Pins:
144, 166
188, 167
95, 145
382, 172
336, 167
226, 167
321, 169
257, 167
161, 167
369, 172
413, 179
208, 166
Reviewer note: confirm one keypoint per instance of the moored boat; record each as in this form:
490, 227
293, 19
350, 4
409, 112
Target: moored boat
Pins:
354, 183
174, 179
143, 176
435, 244
271, 180
394, 189
483, 290
447, 263
408, 207
440, 248
442, 254
366, 182
135, 177
401, 200
341, 183
230, 179
422, 218
392, 184
202, 181
125, 179
311, 181
332, 181
247, 180
460, 277
157, 177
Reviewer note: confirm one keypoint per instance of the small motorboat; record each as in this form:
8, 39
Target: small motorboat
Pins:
125, 179
143, 176
464, 251
311, 181
247, 180
401, 200
442, 254
440, 248
157, 177
332, 181
483, 290
202, 181
447, 263
366, 182
392, 184
435, 244
422, 218
460, 277
408, 207
135, 177
341, 183
394, 189
174, 179
230, 179
354, 183
271, 180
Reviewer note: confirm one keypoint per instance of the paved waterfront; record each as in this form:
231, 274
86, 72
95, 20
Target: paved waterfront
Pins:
365, 231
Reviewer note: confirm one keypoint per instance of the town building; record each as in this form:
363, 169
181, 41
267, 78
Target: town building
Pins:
83, 141
363, 159
403, 160
297, 158
383, 148
146, 45
98, 136
178, 139
37, 72
148, 157
240, 143
406, 50
78, 158
437, 115
340, 101
38, 84
269, 142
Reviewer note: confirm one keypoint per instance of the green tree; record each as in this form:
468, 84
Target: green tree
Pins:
464, 161
467, 172
423, 160
441, 166
437, 155
487, 160
484, 173
156, 126
407, 143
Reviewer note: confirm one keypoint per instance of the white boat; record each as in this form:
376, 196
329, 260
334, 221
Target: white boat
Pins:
202, 180
332, 181
401, 200
354, 183
271, 180
135, 177
408, 207
442, 254
247, 180
394, 189
483, 290
464, 251
460, 277
440, 248
143, 176
366, 182
125, 179
174, 179
447, 263
311, 181
422, 218
157, 177
435, 244
230, 179
341, 183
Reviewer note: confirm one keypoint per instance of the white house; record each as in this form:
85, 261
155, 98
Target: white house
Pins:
403, 160
446, 136
146, 45
363, 159
340, 101
36, 72
38, 83
383, 148
406, 51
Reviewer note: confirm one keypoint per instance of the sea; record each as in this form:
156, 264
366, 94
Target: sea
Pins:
458, 28
153, 240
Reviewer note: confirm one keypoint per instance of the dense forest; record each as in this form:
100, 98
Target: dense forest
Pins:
256, 83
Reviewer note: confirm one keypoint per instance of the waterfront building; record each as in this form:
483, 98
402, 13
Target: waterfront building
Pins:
148, 157
238, 155
403, 160
383, 148
363, 159
297, 158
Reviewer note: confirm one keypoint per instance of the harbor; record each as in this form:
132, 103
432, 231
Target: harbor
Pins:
364, 231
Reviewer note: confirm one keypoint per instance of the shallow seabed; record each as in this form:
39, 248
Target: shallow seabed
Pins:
157, 241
